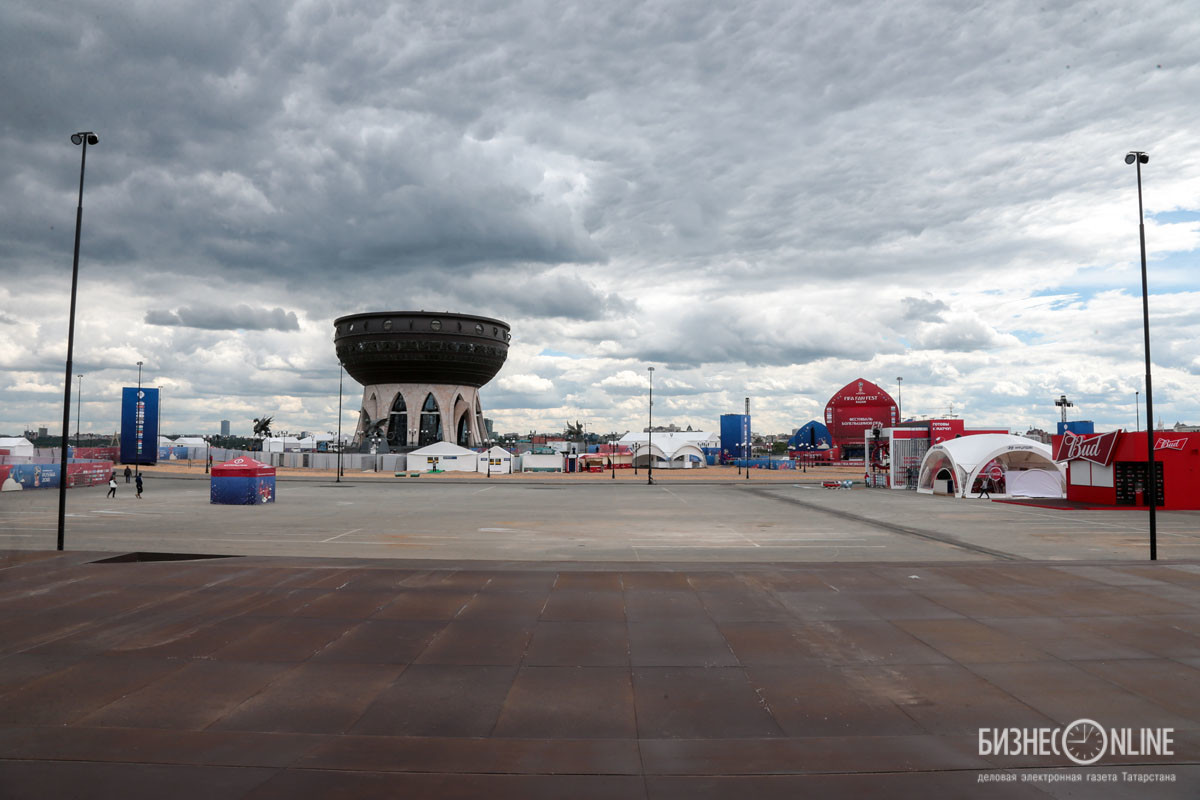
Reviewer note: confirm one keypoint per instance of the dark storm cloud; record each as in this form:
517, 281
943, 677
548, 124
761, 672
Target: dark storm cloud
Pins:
241, 317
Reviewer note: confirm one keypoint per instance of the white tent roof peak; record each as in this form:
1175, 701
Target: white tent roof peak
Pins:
442, 449
971, 451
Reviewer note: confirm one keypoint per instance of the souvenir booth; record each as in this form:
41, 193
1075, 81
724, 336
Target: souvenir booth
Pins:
242, 482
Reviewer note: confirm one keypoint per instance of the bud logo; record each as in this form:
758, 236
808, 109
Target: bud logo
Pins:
1098, 449
1169, 444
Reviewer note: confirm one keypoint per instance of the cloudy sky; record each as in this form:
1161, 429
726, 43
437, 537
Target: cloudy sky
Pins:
764, 199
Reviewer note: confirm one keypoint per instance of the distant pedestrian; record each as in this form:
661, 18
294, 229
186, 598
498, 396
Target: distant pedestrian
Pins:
985, 489
128, 472
138, 483
112, 487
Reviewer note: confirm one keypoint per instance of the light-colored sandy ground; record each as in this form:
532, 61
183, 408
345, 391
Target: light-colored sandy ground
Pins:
714, 474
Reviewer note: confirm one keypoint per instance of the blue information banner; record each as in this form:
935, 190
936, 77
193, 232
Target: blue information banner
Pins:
139, 425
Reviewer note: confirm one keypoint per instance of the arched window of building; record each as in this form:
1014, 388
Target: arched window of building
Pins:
431, 422
397, 435
464, 431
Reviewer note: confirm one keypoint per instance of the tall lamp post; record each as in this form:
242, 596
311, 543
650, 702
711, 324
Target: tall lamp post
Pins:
1137, 420
1138, 157
78, 409
82, 138
746, 451
650, 432
900, 399
341, 372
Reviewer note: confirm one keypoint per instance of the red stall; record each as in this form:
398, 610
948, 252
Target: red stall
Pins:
1110, 468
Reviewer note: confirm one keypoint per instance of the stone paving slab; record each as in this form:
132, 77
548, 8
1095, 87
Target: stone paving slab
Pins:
264, 677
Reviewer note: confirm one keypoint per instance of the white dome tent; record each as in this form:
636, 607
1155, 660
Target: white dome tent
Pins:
1017, 467
670, 450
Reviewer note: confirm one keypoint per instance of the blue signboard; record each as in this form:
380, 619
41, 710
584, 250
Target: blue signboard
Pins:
139, 425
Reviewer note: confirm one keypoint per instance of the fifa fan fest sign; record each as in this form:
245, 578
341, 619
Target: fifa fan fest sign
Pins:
855, 409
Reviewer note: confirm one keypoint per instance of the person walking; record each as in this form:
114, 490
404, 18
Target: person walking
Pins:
128, 472
985, 489
112, 487
138, 483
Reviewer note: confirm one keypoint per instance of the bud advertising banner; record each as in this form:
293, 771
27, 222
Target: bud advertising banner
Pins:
139, 425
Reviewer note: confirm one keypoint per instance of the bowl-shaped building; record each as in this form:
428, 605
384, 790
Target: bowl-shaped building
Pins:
421, 372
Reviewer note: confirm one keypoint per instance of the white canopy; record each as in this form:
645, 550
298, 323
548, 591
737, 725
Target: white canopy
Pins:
16, 446
678, 448
444, 456
494, 460
964, 460
442, 449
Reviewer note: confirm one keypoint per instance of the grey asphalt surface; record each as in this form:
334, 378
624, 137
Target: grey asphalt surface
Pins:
598, 521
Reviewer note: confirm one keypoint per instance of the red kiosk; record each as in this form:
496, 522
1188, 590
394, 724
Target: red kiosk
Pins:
1110, 468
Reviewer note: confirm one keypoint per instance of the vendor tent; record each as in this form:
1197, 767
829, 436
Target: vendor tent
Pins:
674, 450
242, 481
964, 467
494, 461
443, 456
17, 446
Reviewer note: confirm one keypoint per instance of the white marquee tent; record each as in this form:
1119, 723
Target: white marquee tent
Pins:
675, 450
501, 461
1022, 467
443, 456
17, 446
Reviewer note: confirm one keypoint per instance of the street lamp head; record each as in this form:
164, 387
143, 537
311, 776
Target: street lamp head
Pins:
78, 138
1136, 155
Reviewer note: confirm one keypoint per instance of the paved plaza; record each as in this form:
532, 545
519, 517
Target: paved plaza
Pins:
596, 520
546, 639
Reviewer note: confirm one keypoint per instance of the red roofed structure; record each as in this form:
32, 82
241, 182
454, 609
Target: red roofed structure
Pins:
853, 411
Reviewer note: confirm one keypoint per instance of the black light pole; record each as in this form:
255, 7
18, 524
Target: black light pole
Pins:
82, 138
650, 431
341, 372
900, 399
746, 451
1137, 420
1137, 157
137, 465
612, 452
78, 409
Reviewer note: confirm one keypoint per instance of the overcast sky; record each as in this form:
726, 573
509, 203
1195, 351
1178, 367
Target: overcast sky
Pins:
758, 199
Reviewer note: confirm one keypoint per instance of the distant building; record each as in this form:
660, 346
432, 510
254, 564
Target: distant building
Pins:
224, 427
1038, 435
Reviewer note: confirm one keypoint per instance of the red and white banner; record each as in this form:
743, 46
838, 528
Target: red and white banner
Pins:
1169, 444
1097, 448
